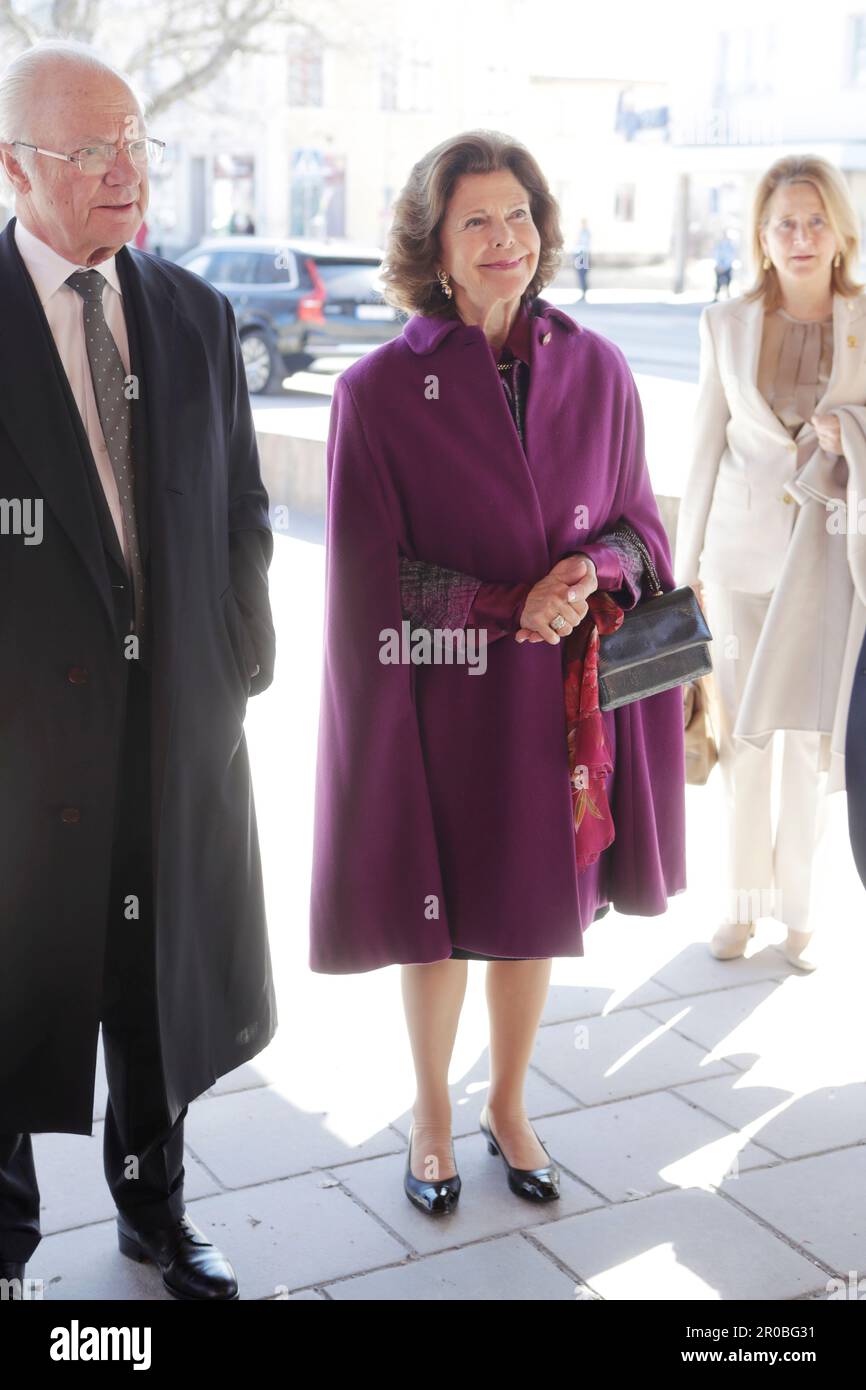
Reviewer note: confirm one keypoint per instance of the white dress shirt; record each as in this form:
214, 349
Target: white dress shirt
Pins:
64, 310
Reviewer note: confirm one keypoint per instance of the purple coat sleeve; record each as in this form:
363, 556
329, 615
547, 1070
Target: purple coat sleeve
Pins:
434, 596
497, 607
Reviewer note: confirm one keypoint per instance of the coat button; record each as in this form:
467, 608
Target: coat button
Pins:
546, 339
77, 675
786, 498
70, 814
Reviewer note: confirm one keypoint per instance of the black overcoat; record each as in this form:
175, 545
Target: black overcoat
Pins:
206, 543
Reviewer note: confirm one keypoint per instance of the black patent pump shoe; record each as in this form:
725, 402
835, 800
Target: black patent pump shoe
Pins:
433, 1198
536, 1184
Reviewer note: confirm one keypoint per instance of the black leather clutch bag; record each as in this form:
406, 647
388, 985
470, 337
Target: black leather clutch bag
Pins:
663, 641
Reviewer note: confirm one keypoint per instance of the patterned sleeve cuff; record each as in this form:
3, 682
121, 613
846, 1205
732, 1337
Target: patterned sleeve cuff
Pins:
433, 596
619, 567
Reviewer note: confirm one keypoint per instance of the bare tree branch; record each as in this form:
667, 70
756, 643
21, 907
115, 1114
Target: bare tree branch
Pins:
199, 40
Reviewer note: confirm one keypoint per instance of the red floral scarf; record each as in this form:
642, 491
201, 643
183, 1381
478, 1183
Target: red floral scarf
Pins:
589, 757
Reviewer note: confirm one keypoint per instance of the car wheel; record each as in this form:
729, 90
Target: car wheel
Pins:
262, 364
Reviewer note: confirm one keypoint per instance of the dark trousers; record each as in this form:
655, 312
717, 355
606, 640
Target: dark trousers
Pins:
142, 1150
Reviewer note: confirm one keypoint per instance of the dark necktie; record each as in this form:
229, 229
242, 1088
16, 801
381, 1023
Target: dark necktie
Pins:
115, 415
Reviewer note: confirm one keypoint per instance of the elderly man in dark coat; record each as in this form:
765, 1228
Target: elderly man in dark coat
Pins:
134, 624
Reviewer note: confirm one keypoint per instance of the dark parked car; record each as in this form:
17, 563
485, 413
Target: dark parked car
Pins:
296, 300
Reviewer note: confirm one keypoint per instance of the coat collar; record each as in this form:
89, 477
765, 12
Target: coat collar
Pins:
845, 309
425, 332
48, 270
848, 350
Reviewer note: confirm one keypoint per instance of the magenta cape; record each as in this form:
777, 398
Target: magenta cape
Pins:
443, 810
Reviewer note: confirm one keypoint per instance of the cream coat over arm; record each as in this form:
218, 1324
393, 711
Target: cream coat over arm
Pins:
736, 514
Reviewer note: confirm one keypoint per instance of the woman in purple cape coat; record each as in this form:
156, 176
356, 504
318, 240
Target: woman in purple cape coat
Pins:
443, 815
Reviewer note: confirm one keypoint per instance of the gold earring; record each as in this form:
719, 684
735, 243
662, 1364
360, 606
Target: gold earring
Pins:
766, 263
837, 259
443, 281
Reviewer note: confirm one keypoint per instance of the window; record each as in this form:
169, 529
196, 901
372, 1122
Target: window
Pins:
233, 268
350, 279
749, 58
857, 50
405, 77
269, 273
389, 63
306, 63
305, 279
200, 264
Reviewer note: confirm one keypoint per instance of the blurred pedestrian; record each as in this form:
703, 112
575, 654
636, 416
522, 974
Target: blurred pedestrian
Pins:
724, 254
581, 259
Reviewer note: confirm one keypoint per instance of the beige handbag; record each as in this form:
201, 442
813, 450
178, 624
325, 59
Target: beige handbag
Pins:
699, 709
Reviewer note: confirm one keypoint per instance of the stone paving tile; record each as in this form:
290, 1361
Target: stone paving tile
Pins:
248, 1137
644, 1145
508, 1269
585, 1001
87, 1264
487, 1206
752, 1020
296, 1234
72, 1185
304, 1296
678, 1245
469, 1096
624, 1054
817, 1202
693, 969
262, 1071
280, 1237
829, 1118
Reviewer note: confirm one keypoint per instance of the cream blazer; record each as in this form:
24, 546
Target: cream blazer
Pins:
735, 517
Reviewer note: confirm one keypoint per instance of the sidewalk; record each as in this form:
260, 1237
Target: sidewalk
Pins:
709, 1117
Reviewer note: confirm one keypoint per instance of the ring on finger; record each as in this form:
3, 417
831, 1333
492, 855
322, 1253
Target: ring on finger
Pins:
558, 622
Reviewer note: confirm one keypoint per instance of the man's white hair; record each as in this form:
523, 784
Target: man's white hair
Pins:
20, 87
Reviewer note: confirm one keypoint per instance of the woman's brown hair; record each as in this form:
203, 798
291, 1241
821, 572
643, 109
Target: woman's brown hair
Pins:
412, 251
831, 187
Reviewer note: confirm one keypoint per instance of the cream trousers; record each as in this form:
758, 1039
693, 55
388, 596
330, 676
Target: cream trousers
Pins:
767, 874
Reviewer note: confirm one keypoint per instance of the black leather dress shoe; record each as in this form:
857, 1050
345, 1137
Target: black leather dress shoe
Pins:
12, 1269
191, 1266
434, 1198
538, 1184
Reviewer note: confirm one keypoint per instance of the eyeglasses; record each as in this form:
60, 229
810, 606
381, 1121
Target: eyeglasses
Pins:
98, 159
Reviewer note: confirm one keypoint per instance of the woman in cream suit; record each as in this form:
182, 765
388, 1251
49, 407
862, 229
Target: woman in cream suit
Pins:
775, 362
